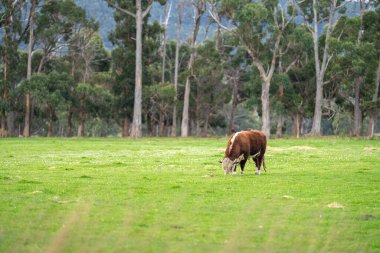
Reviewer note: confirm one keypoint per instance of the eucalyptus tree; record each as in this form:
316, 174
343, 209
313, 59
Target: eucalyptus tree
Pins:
260, 26
315, 14
95, 100
199, 9
236, 67
180, 10
50, 93
138, 12
26, 131
86, 54
165, 23
210, 93
371, 24
296, 68
353, 65
56, 23
12, 20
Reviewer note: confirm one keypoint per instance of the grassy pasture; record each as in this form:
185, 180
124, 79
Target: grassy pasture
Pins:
170, 195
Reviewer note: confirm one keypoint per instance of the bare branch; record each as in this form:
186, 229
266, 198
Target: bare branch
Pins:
216, 19
168, 15
328, 60
292, 17
121, 9
291, 65
275, 17
147, 10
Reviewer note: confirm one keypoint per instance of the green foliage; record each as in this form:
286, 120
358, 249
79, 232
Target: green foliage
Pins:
50, 91
57, 18
95, 100
354, 60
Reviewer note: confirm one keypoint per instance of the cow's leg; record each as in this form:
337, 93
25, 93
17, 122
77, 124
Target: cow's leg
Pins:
234, 170
256, 160
258, 165
242, 164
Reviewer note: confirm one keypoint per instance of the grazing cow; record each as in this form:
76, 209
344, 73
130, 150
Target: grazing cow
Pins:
240, 147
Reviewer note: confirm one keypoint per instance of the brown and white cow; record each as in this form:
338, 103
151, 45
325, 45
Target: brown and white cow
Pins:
240, 147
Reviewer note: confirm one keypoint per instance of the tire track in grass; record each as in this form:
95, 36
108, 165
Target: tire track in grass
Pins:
334, 232
233, 240
123, 232
277, 227
72, 221
153, 226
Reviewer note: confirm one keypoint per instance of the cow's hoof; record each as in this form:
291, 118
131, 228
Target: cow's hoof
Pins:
257, 173
234, 173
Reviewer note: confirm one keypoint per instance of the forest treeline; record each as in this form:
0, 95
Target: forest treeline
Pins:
287, 67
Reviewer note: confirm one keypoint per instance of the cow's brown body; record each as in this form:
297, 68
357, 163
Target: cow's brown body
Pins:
241, 146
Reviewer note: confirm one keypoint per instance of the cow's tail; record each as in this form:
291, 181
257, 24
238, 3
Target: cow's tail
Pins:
265, 167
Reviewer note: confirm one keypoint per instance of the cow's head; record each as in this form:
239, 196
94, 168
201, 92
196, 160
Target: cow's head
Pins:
228, 165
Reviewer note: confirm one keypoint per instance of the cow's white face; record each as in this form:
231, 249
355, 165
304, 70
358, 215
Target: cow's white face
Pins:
228, 165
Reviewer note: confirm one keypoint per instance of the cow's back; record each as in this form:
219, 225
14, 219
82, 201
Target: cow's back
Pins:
246, 142
257, 142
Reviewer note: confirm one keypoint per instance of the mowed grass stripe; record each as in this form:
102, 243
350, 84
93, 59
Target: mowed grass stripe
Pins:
170, 195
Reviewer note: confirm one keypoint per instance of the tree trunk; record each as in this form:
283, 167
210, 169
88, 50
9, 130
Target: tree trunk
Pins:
280, 123
375, 96
357, 111
197, 122
297, 124
8, 21
126, 127
167, 13
205, 126
174, 123
317, 119
81, 129
161, 122
69, 123
50, 128
26, 132
136, 124
265, 108
11, 124
371, 126
266, 77
42, 63
198, 106
176, 70
150, 123
185, 112
230, 127
320, 67
81, 124
3, 130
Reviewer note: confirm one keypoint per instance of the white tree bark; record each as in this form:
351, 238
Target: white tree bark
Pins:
136, 123
320, 67
375, 97
136, 131
199, 10
176, 68
26, 132
165, 25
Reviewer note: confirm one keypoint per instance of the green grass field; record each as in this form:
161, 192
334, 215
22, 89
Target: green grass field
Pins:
170, 195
